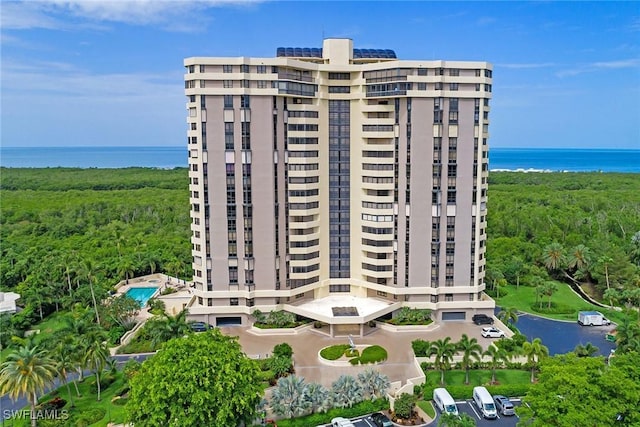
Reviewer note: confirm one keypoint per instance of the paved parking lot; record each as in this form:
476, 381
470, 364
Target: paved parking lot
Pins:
469, 408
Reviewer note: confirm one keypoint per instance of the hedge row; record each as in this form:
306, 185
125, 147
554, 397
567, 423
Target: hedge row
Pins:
466, 391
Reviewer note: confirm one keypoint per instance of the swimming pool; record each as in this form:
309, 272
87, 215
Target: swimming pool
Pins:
142, 295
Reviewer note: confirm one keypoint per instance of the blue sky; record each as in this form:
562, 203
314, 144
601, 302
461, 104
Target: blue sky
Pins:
103, 73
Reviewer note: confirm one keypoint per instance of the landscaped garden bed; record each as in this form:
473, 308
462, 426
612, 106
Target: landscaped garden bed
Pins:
364, 355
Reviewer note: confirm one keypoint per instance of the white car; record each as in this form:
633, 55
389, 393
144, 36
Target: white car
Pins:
492, 332
341, 422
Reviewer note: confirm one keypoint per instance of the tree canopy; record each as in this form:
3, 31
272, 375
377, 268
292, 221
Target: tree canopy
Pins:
584, 391
199, 380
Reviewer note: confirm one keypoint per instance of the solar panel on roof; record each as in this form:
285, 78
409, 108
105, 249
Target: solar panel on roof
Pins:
317, 52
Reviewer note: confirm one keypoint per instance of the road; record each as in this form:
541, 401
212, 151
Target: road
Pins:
7, 405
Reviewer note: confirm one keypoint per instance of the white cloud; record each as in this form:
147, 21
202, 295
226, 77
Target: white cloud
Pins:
55, 14
64, 80
598, 66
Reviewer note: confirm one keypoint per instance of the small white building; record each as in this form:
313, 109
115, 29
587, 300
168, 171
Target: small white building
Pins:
8, 302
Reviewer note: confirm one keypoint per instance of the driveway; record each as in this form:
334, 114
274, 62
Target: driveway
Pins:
562, 337
398, 367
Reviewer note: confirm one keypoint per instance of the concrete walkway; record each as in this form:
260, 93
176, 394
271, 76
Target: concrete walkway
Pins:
306, 345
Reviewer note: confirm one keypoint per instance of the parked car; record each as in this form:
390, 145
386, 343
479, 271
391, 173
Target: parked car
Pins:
504, 405
482, 319
341, 422
200, 326
381, 420
492, 332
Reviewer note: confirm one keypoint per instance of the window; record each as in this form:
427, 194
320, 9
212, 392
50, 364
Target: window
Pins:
228, 135
250, 302
422, 86
244, 68
233, 301
339, 89
244, 101
227, 83
261, 69
339, 76
453, 86
339, 288
454, 72
228, 101
227, 68
262, 84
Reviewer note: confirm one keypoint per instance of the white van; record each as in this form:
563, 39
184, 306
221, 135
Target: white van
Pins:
484, 402
444, 401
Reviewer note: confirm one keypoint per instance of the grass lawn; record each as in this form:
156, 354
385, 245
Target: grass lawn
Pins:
480, 377
427, 407
86, 403
524, 299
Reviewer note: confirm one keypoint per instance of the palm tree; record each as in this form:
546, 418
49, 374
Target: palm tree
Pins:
508, 315
586, 350
318, 397
27, 371
346, 391
289, 399
579, 258
549, 289
89, 274
65, 362
374, 384
169, 327
534, 351
126, 268
95, 356
443, 350
470, 350
553, 256
497, 355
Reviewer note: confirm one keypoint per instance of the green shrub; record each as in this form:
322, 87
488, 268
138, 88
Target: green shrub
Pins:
466, 391
412, 316
282, 350
403, 405
373, 354
334, 352
554, 309
90, 416
420, 347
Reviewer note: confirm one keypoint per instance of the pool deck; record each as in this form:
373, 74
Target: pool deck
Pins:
174, 302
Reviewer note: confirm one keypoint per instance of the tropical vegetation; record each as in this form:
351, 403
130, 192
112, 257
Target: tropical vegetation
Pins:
584, 391
199, 380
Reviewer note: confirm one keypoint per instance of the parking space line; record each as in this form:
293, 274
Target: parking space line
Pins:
473, 409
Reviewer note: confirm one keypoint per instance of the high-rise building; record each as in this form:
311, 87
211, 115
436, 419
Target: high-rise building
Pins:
338, 184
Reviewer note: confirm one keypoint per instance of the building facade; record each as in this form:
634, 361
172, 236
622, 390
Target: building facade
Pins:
338, 184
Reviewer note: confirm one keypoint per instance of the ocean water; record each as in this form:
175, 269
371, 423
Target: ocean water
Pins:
514, 159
